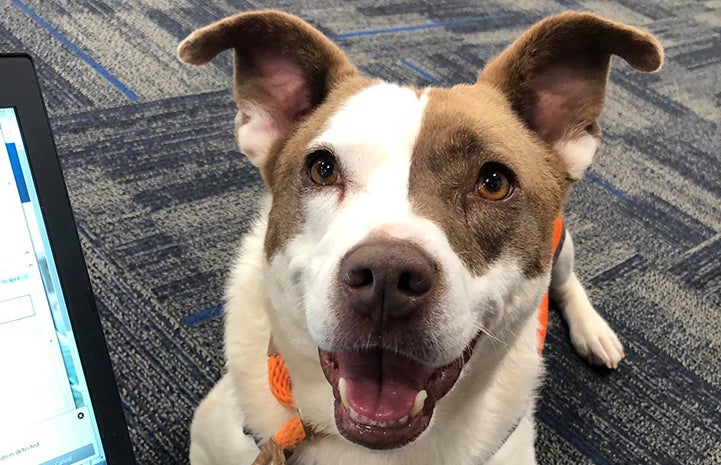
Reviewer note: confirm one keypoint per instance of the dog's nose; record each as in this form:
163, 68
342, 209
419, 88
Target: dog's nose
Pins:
386, 280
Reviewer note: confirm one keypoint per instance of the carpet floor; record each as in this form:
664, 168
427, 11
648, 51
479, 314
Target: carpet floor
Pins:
162, 197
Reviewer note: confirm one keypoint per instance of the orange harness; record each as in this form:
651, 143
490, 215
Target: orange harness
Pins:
293, 432
558, 235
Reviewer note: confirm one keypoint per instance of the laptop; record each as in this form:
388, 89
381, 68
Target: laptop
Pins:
59, 404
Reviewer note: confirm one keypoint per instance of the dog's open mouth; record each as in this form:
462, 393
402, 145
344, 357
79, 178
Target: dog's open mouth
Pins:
383, 399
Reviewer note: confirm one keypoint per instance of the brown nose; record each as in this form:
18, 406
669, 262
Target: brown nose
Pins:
386, 280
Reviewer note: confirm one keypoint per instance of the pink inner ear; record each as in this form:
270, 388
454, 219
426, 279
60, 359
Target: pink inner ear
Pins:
562, 95
285, 83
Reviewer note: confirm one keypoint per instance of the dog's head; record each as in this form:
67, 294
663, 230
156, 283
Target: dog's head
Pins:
408, 225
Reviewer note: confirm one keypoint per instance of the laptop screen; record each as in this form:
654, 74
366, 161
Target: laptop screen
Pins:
46, 416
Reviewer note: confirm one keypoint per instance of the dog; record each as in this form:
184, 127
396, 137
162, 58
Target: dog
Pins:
404, 249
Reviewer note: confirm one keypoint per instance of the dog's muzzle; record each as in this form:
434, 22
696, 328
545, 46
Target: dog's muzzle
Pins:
384, 392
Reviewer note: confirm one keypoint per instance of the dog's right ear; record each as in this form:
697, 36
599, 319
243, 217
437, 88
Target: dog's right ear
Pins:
284, 68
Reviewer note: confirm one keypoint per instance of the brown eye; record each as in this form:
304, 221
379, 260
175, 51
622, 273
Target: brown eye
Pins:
493, 183
323, 168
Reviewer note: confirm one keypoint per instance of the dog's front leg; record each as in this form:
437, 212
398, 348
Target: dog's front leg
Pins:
591, 335
216, 435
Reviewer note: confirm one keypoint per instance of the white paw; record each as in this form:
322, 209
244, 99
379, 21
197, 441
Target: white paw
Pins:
595, 340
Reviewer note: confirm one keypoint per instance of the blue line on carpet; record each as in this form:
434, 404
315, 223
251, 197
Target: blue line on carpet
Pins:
210, 313
419, 27
612, 189
77, 51
421, 72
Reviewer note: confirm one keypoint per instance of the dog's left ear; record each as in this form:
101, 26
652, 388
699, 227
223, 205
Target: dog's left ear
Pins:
284, 68
555, 77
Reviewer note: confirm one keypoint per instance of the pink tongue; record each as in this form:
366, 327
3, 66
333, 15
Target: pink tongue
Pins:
382, 385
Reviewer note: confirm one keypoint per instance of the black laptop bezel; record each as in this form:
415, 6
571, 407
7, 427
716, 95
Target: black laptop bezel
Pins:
19, 89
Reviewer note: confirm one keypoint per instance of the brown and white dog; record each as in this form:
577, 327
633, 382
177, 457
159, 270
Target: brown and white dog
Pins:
405, 244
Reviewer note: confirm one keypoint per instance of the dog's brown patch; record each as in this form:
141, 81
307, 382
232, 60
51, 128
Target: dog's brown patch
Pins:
296, 76
464, 128
286, 167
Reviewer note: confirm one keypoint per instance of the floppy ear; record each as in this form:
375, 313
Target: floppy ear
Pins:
284, 68
555, 76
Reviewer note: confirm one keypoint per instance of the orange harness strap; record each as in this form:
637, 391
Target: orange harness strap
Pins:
292, 433
558, 234
279, 381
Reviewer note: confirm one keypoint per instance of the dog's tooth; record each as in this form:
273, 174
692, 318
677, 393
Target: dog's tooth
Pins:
418, 405
343, 390
353, 414
383, 424
403, 420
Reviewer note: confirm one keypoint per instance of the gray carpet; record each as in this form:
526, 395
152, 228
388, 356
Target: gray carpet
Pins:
162, 197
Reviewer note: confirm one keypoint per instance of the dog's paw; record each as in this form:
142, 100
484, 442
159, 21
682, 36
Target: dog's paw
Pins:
596, 341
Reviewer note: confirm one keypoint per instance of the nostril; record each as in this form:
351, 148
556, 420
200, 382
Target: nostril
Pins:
359, 277
414, 284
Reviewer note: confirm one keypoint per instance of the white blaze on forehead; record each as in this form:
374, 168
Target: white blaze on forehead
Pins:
373, 135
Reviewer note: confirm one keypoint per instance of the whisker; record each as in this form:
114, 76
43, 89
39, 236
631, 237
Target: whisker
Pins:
492, 337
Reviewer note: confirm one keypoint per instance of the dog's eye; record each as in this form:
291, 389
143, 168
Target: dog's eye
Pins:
494, 182
322, 168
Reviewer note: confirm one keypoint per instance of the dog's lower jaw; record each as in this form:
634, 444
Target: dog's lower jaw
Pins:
469, 424
391, 431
